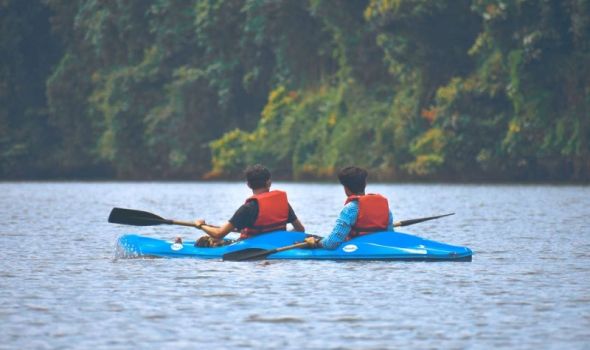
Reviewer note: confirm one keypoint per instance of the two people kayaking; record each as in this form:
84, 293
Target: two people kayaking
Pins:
268, 210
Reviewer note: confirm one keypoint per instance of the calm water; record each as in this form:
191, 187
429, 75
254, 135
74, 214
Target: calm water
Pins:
527, 287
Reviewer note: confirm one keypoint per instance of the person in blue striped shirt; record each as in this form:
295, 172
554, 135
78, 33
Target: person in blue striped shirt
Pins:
362, 213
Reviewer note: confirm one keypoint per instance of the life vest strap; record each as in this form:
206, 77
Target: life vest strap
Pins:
266, 227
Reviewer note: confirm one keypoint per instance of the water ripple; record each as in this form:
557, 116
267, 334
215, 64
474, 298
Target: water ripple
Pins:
63, 286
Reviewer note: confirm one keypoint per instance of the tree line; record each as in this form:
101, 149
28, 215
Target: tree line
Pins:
456, 90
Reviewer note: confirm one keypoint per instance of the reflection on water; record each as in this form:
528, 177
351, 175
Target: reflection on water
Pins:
527, 287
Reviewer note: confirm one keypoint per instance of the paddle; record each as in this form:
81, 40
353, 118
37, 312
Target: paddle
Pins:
143, 218
415, 221
259, 253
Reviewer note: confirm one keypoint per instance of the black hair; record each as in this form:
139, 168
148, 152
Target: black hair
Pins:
353, 178
257, 176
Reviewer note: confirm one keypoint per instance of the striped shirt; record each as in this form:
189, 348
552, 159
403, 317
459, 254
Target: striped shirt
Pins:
344, 223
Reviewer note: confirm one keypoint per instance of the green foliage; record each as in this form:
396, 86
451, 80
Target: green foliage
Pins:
309, 134
410, 89
27, 54
504, 118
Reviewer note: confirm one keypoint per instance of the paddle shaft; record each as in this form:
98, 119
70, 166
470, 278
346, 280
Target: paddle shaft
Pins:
293, 246
416, 221
397, 224
187, 223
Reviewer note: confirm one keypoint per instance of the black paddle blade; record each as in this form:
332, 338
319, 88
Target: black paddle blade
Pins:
135, 218
415, 221
248, 254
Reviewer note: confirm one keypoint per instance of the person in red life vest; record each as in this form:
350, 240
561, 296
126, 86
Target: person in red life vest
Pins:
264, 211
362, 213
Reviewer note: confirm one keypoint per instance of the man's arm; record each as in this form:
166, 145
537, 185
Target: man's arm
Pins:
390, 222
239, 220
344, 223
215, 232
292, 218
298, 226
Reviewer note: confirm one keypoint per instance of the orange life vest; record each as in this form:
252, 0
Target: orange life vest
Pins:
273, 213
373, 214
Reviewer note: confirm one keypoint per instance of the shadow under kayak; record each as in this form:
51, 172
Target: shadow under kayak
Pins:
376, 246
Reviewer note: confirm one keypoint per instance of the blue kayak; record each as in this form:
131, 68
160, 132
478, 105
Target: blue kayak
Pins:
376, 246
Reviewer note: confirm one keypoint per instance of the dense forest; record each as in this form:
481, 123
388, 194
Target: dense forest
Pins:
453, 90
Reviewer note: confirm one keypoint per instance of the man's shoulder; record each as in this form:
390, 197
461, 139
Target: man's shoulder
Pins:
350, 211
352, 205
248, 206
250, 203
245, 214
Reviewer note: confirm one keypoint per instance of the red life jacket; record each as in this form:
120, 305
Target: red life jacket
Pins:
273, 213
373, 214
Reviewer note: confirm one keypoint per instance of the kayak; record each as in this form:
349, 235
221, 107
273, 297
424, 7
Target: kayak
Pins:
377, 246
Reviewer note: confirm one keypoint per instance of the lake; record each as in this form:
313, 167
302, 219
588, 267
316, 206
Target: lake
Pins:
62, 286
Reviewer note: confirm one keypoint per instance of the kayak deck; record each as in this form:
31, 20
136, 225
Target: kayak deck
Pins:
376, 246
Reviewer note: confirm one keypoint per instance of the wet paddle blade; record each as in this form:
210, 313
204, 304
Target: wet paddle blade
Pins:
135, 217
259, 253
248, 254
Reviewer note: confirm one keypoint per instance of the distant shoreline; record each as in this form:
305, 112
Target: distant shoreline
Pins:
309, 181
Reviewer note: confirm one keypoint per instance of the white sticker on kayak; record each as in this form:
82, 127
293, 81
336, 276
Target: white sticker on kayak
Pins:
414, 251
349, 248
176, 246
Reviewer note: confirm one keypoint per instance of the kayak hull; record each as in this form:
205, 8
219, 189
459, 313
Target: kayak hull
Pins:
376, 246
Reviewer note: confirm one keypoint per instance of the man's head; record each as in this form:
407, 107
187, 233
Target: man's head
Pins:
354, 179
257, 177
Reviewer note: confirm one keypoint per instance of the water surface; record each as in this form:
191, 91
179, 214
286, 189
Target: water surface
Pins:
62, 287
